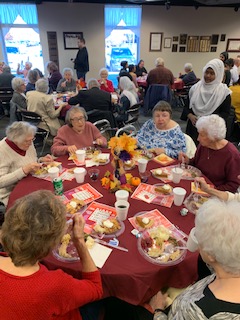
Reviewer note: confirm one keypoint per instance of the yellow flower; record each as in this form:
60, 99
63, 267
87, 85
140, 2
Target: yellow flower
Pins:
124, 142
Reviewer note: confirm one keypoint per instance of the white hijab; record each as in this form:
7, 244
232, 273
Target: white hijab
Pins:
205, 98
129, 90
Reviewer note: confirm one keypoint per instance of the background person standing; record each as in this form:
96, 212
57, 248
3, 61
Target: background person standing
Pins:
81, 63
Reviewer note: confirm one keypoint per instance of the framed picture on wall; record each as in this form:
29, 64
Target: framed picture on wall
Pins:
167, 42
182, 49
175, 39
183, 38
71, 39
174, 47
215, 38
155, 41
213, 49
193, 43
204, 44
233, 45
223, 37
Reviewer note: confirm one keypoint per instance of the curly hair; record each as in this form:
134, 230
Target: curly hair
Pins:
33, 227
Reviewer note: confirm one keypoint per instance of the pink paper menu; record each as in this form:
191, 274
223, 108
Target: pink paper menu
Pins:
147, 193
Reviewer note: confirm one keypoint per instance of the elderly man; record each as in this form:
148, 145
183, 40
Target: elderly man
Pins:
189, 77
6, 77
160, 74
93, 100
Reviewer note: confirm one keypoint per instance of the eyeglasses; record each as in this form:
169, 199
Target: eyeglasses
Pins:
29, 141
78, 119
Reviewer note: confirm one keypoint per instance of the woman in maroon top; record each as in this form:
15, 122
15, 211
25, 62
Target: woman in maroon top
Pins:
54, 75
217, 158
32, 228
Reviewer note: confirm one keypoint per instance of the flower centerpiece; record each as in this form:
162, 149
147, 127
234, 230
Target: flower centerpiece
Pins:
123, 149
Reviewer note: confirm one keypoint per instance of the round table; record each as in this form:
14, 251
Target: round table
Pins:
126, 275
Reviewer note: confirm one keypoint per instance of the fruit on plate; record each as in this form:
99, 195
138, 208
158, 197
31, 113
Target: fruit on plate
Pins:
63, 247
135, 181
165, 189
160, 173
144, 222
108, 226
45, 166
74, 206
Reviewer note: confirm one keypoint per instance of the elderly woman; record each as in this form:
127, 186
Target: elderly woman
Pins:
19, 96
128, 98
67, 83
161, 133
140, 69
105, 84
40, 102
33, 227
77, 133
208, 96
54, 75
33, 76
217, 158
27, 68
189, 77
18, 157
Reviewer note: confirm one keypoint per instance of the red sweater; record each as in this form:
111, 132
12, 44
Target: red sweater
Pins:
66, 137
220, 166
108, 88
47, 295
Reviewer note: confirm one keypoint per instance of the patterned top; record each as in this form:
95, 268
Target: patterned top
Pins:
172, 140
191, 303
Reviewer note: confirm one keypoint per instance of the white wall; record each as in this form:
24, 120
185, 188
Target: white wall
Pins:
89, 18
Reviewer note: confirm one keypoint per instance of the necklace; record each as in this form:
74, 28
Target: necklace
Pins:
209, 155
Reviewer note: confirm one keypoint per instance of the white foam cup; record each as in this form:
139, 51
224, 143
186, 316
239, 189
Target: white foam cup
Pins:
79, 174
122, 195
178, 195
142, 165
53, 172
81, 154
192, 243
122, 207
176, 174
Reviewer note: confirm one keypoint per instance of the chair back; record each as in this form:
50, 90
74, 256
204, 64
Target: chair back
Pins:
15, 115
5, 97
31, 117
129, 129
190, 145
105, 128
156, 93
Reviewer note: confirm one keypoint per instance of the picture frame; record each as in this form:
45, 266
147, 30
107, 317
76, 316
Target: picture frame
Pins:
182, 49
167, 42
175, 38
233, 45
204, 43
71, 40
214, 39
183, 38
213, 49
223, 37
174, 47
192, 43
155, 41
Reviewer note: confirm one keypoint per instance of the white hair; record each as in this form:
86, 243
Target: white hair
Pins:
92, 83
19, 130
103, 70
42, 85
217, 232
159, 62
17, 83
73, 110
188, 66
67, 70
28, 63
213, 125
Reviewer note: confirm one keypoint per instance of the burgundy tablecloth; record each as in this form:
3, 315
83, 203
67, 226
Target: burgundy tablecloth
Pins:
126, 275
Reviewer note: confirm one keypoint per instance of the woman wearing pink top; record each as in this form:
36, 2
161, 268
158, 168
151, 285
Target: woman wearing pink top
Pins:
76, 134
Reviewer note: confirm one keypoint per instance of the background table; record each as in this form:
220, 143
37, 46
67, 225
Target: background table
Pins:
126, 275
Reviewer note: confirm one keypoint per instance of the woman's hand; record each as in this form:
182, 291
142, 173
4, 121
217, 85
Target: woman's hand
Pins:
78, 227
158, 150
99, 141
47, 158
63, 84
182, 157
192, 118
31, 167
72, 149
203, 184
158, 301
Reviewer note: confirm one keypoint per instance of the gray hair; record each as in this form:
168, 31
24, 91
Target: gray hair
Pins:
17, 83
67, 70
19, 130
159, 62
74, 110
162, 106
213, 125
217, 232
33, 76
188, 66
28, 63
103, 70
92, 83
42, 85
6, 69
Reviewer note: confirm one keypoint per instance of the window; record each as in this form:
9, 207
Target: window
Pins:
122, 37
20, 35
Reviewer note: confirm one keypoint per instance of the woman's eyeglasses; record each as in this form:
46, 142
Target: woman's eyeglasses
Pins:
77, 119
29, 141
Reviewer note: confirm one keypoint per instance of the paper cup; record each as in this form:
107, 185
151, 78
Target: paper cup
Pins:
81, 154
53, 172
122, 195
79, 174
122, 207
178, 194
142, 164
192, 243
176, 174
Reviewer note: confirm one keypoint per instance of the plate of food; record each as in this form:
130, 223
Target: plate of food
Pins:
129, 165
163, 189
43, 170
190, 173
163, 159
161, 174
102, 158
143, 222
75, 206
194, 201
109, 228
162, 246
92, 152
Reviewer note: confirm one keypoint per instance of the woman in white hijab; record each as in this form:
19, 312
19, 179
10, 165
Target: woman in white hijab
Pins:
208, 96
128, 98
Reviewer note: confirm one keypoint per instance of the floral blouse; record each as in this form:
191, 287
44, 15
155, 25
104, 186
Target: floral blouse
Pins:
172, 140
